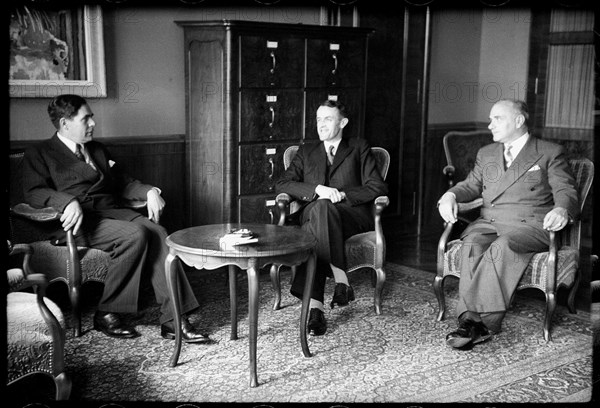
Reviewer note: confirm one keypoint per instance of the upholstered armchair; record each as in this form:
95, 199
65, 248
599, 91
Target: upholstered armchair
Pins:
365, 250
548, 271
68, 263
461, 149
35, 328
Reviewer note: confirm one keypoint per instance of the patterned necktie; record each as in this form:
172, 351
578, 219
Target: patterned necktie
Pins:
78, 153
508, 157
83, 157
330, 155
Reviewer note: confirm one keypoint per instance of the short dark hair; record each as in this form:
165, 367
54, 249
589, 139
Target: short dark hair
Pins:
520, 106
64, 106
330, 103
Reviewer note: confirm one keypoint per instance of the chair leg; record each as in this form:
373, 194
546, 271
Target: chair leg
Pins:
379, 289
76, 311
274, 272
438, 288
63, 386
550, 306
294, 269
572, 292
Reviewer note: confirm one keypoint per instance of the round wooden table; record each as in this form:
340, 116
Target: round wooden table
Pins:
199, 247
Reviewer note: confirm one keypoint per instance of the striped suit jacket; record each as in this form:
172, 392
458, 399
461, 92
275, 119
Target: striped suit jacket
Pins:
53, 176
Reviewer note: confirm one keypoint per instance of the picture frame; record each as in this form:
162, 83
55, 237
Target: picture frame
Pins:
46, 79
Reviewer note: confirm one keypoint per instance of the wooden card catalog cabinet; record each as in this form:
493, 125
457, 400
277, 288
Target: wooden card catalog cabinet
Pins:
252, 90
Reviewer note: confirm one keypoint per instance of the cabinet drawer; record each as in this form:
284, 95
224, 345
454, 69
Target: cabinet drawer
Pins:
275, 115
271, 61
351, 98
257, 209
260, 167
335, 63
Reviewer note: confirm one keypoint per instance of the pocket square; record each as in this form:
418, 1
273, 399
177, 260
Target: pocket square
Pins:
111, 163
534, 168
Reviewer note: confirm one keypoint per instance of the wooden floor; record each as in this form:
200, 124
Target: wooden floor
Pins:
405, 247
415, 251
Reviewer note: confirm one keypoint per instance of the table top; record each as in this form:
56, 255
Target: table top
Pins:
273, 240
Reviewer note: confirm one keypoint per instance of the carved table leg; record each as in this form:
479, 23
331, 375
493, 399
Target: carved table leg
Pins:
171, 265
253, 317
310, 276
233, 300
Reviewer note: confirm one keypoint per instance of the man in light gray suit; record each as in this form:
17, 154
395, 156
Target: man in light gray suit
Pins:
527, 190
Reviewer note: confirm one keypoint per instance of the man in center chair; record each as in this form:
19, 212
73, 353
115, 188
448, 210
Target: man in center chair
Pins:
336, 182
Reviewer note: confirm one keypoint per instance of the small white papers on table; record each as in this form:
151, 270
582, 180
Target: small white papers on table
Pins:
237, 237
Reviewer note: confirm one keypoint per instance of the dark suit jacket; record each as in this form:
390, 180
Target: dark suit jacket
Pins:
538, 180
53, 176
353, 171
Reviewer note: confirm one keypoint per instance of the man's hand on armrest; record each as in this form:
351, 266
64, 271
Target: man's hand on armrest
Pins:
72, 216
330, 193
556, 219
155, 205
448, 207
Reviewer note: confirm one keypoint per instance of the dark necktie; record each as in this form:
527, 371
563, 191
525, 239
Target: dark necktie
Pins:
81, 156
330, 155
79, 153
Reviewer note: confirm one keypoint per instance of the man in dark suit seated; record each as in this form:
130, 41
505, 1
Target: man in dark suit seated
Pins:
527, 190
336, 180
75, 175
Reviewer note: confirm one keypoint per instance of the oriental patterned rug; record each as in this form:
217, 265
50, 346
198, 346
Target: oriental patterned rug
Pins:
399, 356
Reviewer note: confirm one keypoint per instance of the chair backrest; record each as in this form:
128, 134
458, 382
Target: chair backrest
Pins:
583, 171
461, 149
382, 158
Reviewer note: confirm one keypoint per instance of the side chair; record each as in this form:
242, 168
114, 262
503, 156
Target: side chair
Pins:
74, 265
364, 250
35, 336
547, 271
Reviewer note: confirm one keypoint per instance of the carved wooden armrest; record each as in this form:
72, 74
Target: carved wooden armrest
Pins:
19, 249
441, 248
381, 203
448, 171
283, 202
25, 249
36, 214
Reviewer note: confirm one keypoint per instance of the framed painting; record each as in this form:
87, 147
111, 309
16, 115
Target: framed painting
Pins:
56, 51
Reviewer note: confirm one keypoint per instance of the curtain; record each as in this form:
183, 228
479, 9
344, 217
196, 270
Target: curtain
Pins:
570, 80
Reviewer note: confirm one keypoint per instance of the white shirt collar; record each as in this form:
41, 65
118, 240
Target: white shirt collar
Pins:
70, 144
517, 144
334, 144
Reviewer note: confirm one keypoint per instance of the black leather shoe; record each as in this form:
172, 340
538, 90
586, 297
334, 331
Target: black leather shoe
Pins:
480, 333
111, 325
188, 332
469, 332
343, 295
317, 325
